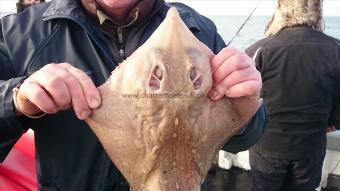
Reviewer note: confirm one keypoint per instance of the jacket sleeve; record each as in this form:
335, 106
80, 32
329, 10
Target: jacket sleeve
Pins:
10, 127
335, 114
254, 130
334, 118
250, 134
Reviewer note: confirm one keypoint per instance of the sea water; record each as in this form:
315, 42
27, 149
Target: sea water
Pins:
253, 30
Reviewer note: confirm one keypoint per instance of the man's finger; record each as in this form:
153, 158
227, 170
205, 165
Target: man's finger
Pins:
236, 77
54, 84
236, 68
247, 88
79, 102
90, 91
38, 96
222, 56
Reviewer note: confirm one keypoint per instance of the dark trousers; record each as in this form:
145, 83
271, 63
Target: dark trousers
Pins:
273, 174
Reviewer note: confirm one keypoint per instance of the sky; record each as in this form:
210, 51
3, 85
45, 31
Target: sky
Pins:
220, 7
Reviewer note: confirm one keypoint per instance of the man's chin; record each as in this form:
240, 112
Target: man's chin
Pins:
119, 4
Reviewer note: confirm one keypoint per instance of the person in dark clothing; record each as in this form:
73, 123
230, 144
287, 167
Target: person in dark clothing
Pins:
300, 68
54, 54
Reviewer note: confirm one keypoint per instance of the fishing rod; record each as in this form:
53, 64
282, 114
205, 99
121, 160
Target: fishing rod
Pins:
244, 23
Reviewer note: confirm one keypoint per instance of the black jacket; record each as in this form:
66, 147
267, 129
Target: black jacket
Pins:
69, 156
300, 70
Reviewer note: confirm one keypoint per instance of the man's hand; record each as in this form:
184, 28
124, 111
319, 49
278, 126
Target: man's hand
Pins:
58, 87
330, 129
234, 75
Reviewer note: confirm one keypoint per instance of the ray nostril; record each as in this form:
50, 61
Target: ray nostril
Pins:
195, 78
154, 83
197, 83
158, 72
156, 77
193, 74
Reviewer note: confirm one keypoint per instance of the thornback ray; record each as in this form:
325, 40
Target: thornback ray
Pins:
156, 122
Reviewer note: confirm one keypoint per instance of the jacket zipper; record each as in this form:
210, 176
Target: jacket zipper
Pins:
121, 35
121, 43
